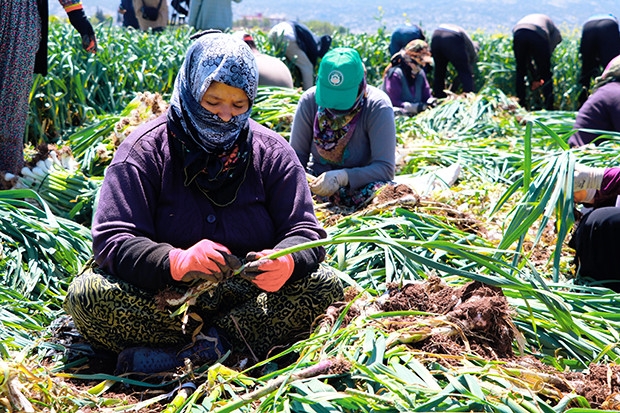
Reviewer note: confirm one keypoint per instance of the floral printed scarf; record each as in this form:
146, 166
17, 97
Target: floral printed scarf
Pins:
213, 57
610, 74
333, 130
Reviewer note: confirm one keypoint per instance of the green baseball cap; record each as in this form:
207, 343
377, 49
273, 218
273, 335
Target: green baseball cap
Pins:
340, 74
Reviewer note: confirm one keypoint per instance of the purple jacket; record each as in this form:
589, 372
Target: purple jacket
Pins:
600, 112
144, 208
393, 85
610, 188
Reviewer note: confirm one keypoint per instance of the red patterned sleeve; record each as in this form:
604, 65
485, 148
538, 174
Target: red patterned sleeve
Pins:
71, 5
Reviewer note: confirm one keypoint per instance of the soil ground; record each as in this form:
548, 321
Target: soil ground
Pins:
474, 319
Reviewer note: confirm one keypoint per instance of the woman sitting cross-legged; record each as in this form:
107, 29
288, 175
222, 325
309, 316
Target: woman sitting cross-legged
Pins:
187, 198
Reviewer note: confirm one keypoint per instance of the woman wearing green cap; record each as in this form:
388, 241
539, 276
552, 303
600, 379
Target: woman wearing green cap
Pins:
343, 131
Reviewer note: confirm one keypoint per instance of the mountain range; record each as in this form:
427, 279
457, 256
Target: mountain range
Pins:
368, 15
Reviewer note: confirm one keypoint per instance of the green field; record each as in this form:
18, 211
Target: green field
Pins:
501, 230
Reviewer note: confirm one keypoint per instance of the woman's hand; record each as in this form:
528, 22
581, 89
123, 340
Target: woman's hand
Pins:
586, 177
585, 196
206, 260
268, 274
329, 182
80, 22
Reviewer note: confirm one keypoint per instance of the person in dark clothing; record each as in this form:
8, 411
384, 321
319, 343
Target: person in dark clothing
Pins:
402, 35
595, 238
535, 37
23, 51
187, 197
601, 111
301, 46
129, 14
600, 42
452, 44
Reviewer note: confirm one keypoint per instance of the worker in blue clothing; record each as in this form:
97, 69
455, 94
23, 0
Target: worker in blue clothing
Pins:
403, 35
129, 14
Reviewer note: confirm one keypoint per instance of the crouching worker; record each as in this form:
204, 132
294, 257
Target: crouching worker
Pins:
343, 132
186, 199
596, 237
404, 79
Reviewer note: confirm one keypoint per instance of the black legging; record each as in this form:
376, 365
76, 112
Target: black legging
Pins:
530, 46
449, 47
596, 246
600, 42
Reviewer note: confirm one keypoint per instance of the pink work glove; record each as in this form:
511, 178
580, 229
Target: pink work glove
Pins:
206, 260
267, 274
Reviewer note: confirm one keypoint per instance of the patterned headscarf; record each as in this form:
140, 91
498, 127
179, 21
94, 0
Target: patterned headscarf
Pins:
418, 51
215, 154
213, 57
610, 74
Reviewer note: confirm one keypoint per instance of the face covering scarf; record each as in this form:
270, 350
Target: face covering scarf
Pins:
333, 130
213, 57
217, 176
216, 154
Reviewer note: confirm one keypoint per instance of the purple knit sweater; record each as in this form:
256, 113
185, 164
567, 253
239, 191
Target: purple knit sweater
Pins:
144, 208
600, 112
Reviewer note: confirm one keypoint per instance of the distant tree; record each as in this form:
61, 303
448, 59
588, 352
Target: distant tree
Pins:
320, 27
99, 15
255, 23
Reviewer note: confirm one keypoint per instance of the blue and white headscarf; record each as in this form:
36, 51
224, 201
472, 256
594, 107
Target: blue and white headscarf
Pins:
213, 57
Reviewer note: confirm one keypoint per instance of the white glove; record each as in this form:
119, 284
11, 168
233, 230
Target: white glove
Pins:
329, 182
414, 108
587, 178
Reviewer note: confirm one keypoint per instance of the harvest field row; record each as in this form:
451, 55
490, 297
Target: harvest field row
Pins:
460, 298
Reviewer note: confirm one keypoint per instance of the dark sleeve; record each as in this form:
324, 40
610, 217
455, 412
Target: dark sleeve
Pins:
302, 129
307, 41
143, 263
325, 43
555, 37
123, 230
470, 49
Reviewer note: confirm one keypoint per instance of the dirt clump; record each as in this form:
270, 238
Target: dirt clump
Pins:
474, 318
395, 193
